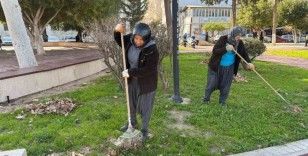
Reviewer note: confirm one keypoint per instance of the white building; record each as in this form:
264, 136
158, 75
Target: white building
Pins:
192, 17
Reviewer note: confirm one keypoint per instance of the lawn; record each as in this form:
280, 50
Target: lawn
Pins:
289, 53
254, 118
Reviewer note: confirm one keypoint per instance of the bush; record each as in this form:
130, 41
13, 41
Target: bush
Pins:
254, 47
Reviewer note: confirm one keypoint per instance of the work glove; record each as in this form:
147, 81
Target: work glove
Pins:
125, 74
120, 28
229, 47
251, 66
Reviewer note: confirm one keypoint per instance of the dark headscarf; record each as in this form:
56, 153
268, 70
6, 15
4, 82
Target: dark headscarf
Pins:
234, 32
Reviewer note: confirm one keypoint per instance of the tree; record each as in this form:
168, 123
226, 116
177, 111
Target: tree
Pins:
102, 31
37, 14
168, 13
215, 26
163, 42
275, 4
78, 17
255, 15
134, 10
17, 29
294, 14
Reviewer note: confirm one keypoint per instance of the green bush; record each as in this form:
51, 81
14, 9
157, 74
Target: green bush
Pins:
254, 47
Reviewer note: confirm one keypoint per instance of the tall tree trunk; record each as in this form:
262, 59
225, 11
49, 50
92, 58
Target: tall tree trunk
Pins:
38, 39
295, 37
168, 15
275, 3
233, 13
162, 72
18, 32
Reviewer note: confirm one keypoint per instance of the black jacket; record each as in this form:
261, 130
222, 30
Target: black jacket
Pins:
146, 72
220, 49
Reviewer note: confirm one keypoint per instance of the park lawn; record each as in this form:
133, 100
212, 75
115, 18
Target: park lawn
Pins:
254, 118
288, 52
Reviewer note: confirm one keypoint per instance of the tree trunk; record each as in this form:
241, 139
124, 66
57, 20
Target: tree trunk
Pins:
79, 34
168, 15
161, 72
18, 32
295, 37
233, 13
275, 2
163, 77
38, 39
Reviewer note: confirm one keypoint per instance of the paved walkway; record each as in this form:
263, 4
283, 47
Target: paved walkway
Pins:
57, 56
291, 61
297, 148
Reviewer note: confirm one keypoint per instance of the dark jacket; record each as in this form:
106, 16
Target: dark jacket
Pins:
220, 49
146, 72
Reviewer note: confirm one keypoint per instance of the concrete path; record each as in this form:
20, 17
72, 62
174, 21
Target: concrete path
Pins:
291, 61
297, 148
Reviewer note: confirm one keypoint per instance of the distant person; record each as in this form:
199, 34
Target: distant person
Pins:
185, 39
2, 42
254, 33
77, 38
261, 36
306, 40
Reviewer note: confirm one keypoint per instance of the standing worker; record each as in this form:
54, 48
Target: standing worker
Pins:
142, 61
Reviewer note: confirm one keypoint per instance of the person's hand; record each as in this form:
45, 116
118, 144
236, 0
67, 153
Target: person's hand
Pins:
120, 28
251, 66
229, 47
125, 74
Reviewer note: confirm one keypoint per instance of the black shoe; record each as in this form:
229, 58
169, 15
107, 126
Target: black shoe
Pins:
125, 127
145, 136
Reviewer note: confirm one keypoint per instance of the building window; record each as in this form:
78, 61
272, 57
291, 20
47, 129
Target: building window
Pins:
203, 12
216, 12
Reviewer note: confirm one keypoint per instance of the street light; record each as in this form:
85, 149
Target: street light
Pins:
176, 80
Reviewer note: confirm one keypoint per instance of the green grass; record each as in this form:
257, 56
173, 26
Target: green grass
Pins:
289, 53
254, 118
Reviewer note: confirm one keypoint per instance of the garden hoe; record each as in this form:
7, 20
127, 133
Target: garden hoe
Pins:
132, 137
293, 107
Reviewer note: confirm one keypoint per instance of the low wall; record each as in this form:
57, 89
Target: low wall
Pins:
17, 86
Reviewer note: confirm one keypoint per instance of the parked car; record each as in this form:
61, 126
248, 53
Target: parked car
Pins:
70, 38
248, 35
7, 41
53, 39
288, 38
302, 39
268, 39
